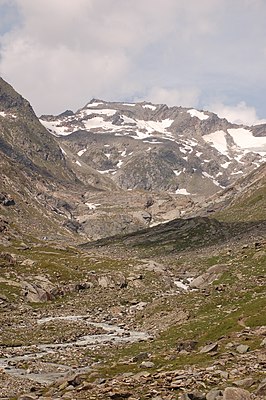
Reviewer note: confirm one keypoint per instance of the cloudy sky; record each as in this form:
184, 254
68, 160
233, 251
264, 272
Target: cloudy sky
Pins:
208, 54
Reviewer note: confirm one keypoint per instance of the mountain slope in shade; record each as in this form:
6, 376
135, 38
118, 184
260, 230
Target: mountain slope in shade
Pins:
155, 147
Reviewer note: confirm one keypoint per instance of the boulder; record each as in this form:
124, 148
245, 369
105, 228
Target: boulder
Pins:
213, 273
147, 364
214, 394
35, 293
232, 393
209, 348
242, 348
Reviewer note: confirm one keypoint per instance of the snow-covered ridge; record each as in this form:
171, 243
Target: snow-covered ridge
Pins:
99, 116
196, 144
103, 119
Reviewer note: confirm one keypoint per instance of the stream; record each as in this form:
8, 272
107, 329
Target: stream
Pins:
112, 334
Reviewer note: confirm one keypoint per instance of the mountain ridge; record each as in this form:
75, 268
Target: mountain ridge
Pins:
194, 151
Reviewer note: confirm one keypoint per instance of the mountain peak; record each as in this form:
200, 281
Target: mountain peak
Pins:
155, 147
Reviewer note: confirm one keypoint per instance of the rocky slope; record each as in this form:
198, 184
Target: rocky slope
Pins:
242, 201
155, 147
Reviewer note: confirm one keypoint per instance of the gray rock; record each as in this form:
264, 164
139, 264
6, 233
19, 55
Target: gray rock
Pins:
147, 364
209, 276
242, 348
224, 374
36, 292
244, 382
209, 348
214, 394
232, 393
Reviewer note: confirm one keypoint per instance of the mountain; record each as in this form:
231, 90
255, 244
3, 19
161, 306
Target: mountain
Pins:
42, 184
158, 148
114, 168
33, 169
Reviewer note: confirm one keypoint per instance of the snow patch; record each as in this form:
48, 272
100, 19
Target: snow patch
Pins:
95, 104
79, 153
55, 128
153, 108
104, 111
98, 122
151, 141
199, 114
182, 191
123, 153
63, 151
92, 206
244, 139
153, 126
226, 164
181, 285
128, 120
3, 114
107, 171
217, 139
188, 148
77, 162
176, 172
192, 142
210, 177
119, 164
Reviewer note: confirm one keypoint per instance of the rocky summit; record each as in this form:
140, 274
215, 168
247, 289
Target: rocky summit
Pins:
132, 254
154, 147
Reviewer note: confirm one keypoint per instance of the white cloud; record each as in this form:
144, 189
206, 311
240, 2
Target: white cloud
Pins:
186, 97
60, 54
238, 114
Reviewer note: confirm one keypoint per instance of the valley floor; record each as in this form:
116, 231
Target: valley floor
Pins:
108, 324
